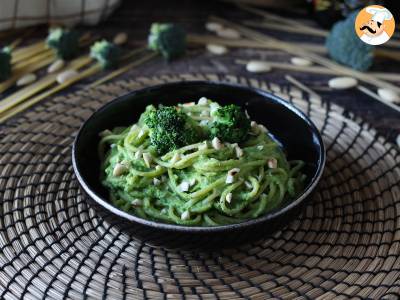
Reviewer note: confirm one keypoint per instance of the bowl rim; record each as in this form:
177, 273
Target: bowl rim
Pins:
198, 229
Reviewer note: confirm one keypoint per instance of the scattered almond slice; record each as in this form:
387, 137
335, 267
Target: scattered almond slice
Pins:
258, 66
120, 39
216, 49
185, 215
228, 33
342, 83
299, 61
56, 66
272, 163
147, 159
217, 144
213, 26
67, 76
119, 169
26, 79
137, 203
228, 197
389, 95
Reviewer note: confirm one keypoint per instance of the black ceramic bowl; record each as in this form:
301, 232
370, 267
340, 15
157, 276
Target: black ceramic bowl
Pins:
297, 134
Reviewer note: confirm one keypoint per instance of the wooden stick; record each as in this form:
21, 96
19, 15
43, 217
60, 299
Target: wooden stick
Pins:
33, 60
22, 53
123, 70
299, 51
40, 85
195, 39
281, 26
28, 69
299, 25
370, 93
393, 54
320, 70
302, 86
15, 110
13, 102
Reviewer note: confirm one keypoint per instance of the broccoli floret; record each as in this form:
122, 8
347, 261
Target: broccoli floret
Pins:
167, 39
346, 48
230, 124
170, 129
64, 41
5, 63
106, 53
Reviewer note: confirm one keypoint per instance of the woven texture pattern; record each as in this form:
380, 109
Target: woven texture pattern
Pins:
345, 243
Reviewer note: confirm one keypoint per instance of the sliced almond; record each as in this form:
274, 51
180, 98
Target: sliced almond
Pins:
272, 163
216, 49
341, 83
299, 61
239, 151
213, 26
26, 79
138, 154
228, 197
66, 76
202, 101
156, 181
228, 33
258, 66
56, 66
217, 144
147, 159
185, 215
137, 203
184, 186
229, 179
120, 39
119, 169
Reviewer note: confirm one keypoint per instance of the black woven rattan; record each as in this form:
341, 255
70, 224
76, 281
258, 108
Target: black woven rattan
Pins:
52, 245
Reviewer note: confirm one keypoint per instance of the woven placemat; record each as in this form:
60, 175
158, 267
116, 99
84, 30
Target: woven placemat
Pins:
52, 245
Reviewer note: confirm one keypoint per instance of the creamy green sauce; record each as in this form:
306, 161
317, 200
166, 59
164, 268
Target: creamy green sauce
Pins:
204, 184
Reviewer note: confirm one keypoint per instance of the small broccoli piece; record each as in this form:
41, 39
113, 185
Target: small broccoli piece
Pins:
230, 124
64, 41
167, 39
5, 63
170, 129
106, 53
346, 48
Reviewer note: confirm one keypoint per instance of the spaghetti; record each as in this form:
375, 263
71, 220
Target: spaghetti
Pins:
209, 183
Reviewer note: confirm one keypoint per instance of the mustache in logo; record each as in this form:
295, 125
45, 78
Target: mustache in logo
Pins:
368, 28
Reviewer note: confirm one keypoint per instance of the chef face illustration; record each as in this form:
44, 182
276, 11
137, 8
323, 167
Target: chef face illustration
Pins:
373, 30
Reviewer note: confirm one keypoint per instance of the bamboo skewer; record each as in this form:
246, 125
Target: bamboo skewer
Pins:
28, 69
13, 111
37, 86
245, 43
393, 54
299, 51
301, 86
370, 93
122, 70
25, 52
300, 25
319, 70
13, 104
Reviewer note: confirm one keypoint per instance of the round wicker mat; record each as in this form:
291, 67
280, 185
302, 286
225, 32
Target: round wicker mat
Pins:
52, 245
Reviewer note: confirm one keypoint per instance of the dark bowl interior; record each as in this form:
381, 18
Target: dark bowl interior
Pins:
296, 133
